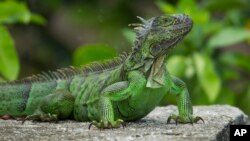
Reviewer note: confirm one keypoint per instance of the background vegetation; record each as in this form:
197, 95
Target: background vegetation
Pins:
213, 59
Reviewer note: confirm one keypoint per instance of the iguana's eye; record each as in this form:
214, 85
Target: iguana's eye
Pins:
166, 20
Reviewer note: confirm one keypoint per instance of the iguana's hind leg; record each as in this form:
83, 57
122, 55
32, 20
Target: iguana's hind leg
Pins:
57, 105
184, 104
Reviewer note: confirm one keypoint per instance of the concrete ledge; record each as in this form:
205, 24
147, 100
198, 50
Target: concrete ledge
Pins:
153, 127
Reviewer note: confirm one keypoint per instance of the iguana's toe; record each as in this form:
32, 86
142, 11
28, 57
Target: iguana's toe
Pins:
188, 119
107, 124
41, 117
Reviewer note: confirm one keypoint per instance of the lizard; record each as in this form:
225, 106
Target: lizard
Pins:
110, 93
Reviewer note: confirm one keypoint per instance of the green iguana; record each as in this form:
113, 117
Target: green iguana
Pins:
126, 88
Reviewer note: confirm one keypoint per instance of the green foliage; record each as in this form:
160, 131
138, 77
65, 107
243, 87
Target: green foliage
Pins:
12, 12
207, 77
228, 36
244, 100
9, 65
17, 12
225, 5
235, 59
92, 52
129, 35
180, 70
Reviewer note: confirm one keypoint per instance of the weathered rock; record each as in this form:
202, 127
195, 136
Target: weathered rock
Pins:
153, 127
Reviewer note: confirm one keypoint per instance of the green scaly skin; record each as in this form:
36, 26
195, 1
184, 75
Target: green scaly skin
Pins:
124, 89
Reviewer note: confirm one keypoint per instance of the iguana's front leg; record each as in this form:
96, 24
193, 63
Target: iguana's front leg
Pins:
106, 115
184, 104
117, 92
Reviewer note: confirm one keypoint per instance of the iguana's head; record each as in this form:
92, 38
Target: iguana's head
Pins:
156, 36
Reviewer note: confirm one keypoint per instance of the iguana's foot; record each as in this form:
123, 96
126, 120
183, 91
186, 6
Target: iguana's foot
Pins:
190, 119
41, 117
107, 124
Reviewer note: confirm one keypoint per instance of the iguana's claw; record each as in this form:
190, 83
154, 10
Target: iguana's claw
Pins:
106, 124
189, 119
41, 117
198, 118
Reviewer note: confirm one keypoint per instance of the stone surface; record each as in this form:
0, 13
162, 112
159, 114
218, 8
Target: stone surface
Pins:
153, 127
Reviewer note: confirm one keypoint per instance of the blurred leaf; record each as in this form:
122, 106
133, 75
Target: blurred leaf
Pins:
35, 18
1, 80
226, 96
9, 65
129, 35
212, 27
229, 74
180, 66
228, 36
190, 7
223, 5
13, 12
92, 52
176, 65
165, 7
243, 101
49, 5
236, 59
190, 70
198, 95
196, 38
236, 17
207, 77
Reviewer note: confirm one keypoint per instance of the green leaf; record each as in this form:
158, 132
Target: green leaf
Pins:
92, 52
17, 12
129, 35
190, 71
243, 100
212, 27
236, 59
188, 7
9, 64
196, 38
35, 18
180, 66
176, 65
225, 5
207, 77
191, 8
226, 96
1, 80
165, 7
228, 36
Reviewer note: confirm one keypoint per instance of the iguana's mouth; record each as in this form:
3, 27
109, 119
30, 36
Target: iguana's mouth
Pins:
169, 44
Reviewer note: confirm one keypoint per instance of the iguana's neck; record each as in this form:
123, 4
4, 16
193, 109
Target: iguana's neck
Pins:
153, 68
137, 61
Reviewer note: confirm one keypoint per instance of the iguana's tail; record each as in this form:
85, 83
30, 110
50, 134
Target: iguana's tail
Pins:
19, 99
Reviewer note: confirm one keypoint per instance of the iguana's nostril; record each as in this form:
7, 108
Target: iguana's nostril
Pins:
188, 20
